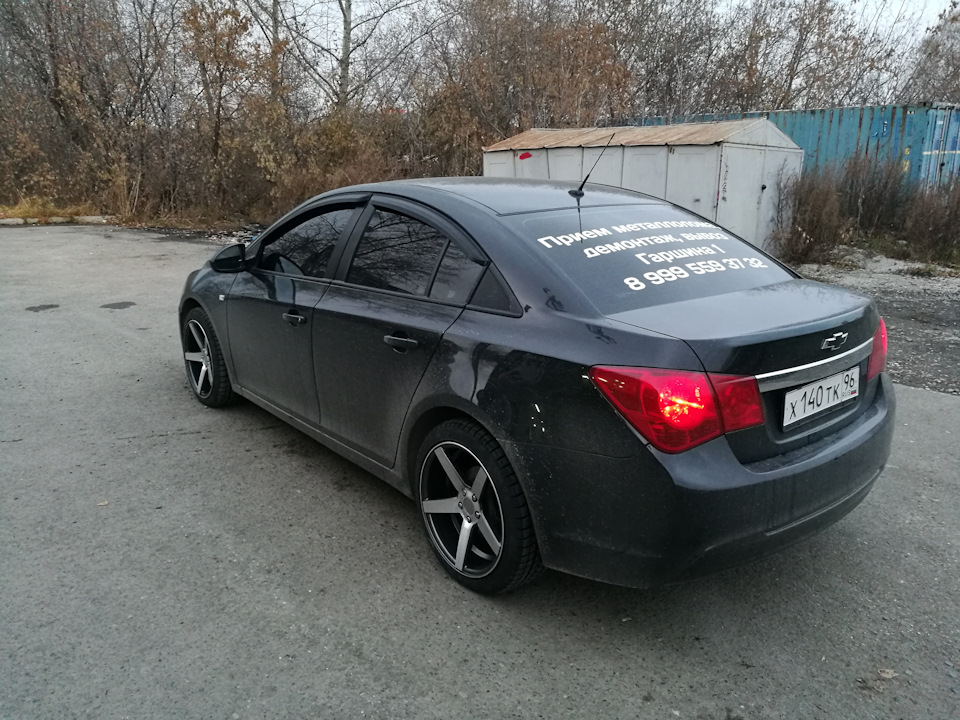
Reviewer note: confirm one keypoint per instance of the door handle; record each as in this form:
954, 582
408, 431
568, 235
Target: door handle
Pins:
401, 344
294, 318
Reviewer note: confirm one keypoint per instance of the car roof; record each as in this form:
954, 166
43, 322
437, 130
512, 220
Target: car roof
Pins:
509, 196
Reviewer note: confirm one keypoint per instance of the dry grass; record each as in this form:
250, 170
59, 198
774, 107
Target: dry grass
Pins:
43, 209
931, 270
873, 194
198, 221
818, 223
869, 205
932, 225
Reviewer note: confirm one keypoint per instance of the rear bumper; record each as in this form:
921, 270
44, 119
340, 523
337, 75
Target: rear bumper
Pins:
655, 518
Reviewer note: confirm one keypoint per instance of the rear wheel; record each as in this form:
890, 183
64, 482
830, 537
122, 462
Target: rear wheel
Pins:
203, 358
473, 509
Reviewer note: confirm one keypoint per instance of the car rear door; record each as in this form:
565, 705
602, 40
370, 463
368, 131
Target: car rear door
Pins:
270, 309
405, 276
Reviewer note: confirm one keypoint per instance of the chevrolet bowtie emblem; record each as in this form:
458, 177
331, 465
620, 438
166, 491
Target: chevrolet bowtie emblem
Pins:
834, 341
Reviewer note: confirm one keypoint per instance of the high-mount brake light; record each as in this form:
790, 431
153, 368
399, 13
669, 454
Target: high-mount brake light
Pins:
878, 355
678, 409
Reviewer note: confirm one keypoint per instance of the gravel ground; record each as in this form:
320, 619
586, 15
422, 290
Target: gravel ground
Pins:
922, 316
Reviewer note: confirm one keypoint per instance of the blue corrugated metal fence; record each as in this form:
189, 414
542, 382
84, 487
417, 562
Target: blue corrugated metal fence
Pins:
922, 138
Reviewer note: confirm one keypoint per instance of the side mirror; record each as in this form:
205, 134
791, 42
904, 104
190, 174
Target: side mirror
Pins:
229, 260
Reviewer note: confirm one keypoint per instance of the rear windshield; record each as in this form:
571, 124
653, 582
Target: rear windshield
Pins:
624, 258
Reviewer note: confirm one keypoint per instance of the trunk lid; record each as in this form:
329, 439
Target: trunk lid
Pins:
789, 335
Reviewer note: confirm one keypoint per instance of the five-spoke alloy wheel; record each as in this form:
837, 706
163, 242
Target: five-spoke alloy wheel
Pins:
473, 509
204, 360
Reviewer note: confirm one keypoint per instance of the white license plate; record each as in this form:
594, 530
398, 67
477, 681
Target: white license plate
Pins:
821, 395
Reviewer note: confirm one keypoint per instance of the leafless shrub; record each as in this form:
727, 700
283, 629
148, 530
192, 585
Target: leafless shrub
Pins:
812, 221
931, 225
871, 205
233, 109
874, 194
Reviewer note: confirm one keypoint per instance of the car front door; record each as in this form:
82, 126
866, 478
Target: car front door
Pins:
405, 278
270, 310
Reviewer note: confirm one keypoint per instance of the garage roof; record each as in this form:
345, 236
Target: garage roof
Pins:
752, 131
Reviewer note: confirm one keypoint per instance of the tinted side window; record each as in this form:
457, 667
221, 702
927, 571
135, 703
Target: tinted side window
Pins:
491, 295
396, 253
306, 249
456, 276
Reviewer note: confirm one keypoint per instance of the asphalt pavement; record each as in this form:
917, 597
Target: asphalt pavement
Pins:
159, 559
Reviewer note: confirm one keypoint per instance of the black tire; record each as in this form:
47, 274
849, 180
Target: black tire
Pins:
206, 370
473, 509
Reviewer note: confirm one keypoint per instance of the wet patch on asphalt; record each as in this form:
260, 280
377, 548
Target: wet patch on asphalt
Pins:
118, 305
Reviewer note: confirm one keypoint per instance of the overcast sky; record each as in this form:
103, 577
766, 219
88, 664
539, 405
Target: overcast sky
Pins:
931, 9
928, 10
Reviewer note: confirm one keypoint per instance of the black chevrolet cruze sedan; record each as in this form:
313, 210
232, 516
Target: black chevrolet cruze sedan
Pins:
591, 380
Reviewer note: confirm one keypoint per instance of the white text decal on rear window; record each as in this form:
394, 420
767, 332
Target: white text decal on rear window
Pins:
623, 258
571, 238
551, 241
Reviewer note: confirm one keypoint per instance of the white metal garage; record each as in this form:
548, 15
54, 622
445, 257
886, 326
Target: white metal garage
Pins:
725, 171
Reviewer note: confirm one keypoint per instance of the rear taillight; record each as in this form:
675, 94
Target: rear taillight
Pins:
677, 409
739, 399
878, 356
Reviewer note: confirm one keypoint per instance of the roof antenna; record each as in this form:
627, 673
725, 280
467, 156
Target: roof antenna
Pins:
578, 193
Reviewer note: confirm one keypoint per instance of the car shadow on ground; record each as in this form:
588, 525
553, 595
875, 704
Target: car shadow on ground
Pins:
793, 579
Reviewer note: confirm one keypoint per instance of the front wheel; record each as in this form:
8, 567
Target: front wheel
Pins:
203, 358
474, 511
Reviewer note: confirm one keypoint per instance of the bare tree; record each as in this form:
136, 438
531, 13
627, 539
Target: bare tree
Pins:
810, 53
347, 45
221, 107
95, 65
935, 75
